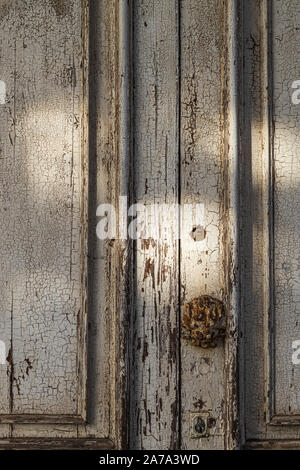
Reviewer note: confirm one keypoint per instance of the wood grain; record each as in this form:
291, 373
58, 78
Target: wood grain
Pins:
154, 387
202, 148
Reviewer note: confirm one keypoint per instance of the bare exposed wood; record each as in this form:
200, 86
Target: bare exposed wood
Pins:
59, 444
42, 418
124, 189
273, 445
232, 217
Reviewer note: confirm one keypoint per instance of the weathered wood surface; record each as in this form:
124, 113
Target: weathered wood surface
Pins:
202, 175
58, 45
40, 207
270, 263
178, 56
178, 88
154, 389
286, 141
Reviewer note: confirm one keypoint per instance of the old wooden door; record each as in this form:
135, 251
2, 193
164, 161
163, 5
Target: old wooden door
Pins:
174, 102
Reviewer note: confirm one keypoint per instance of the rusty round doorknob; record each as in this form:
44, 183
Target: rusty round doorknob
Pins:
203, 322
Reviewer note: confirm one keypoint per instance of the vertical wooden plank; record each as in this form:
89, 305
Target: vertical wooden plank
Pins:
154, 365
232, 94
105, 417
6, 155
202, 182
253, 206
103, 190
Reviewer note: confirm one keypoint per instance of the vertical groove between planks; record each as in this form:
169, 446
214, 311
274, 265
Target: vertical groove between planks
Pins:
232, 242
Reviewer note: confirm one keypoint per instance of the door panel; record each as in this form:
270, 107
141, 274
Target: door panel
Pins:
50, 149
42, 204
270, 239
286, 203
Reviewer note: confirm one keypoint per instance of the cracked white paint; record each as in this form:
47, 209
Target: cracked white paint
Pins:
271, 390
202, 153
39, 199
286, 117
40, 208
165, 270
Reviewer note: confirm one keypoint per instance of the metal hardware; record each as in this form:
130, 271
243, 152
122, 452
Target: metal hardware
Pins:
202, 425
203, 321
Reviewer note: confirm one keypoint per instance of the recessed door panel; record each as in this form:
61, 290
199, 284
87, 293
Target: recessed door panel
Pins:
42, 204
